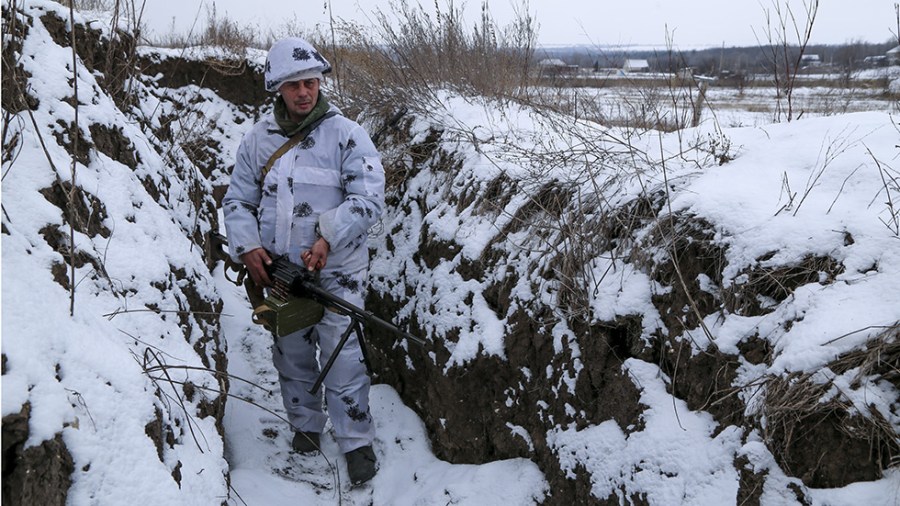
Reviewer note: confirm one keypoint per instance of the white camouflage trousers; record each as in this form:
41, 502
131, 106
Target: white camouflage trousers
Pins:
346, 387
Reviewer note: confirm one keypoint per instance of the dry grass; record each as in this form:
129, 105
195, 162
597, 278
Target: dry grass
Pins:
219, 32
767, 286
411, 55
795, 402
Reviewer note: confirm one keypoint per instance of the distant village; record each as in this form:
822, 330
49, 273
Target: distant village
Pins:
715, 65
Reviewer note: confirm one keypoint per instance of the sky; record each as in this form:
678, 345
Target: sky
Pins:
593, 22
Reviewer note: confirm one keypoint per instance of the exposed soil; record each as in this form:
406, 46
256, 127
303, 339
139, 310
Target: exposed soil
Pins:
34, 476
82, 210
234, 80
111, 141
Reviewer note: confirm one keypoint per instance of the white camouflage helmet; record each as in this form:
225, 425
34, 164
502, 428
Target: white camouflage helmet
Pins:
293, 59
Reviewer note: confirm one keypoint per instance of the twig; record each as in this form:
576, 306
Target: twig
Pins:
117, 312
231, 488
76, 133
675, 260
674, 376
832, 152
841, 190
150, 355
220, 392
149, 345
211, 371
786, 190
83, 404
870, 327
893, 223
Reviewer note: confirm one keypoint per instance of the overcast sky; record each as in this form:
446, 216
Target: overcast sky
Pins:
595, 22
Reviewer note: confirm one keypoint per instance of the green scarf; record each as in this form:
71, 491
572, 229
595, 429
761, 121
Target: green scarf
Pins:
291, 127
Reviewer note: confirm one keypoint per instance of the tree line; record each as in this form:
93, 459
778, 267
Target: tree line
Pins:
717, 60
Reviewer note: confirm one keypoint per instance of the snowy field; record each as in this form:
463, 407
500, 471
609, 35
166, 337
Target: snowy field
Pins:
753, 105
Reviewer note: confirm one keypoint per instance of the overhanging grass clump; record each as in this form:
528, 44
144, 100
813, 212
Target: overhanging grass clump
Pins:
816, 423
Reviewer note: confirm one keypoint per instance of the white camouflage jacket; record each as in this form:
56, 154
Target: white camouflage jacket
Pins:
330, 185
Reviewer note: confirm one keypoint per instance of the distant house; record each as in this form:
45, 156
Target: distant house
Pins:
875, 61
893, 56
635, 66
552, 67
810, 60
555, 67
551, 63
686, 73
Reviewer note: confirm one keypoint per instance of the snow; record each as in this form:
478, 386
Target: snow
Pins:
674, 459
837, 193
793, 189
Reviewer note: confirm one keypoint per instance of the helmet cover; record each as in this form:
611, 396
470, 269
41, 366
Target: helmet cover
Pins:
293, 59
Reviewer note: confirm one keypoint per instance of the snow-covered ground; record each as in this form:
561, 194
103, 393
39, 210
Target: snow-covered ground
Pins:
96, 376
823, 187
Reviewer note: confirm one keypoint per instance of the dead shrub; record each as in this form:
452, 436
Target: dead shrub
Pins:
226, 33
412, 55
219, 32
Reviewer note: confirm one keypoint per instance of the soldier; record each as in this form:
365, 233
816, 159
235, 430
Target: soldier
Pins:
314, 200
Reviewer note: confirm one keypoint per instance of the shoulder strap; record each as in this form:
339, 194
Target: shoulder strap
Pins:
293, 141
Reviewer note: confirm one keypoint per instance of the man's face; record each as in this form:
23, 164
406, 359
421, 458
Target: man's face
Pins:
300, 97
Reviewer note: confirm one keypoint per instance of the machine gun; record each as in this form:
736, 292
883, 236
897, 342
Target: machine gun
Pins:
290, 279
297, 301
